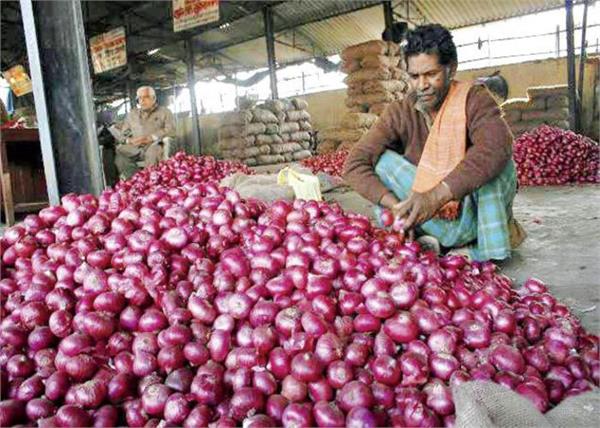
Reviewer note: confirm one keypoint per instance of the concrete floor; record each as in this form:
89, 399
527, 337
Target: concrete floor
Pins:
562, 247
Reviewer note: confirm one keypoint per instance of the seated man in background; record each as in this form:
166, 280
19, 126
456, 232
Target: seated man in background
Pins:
143, 131
441, 158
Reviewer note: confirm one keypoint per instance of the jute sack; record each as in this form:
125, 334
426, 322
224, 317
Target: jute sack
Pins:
250, 161
305, 125
272, 128
512, 116
279, 149
379, 73
255, 128
297, 115
281, 116
263, 115
229, 154
232, 144
384, 86
299, 103
358, 120
481, 404
372, 47
300, 136
269, 159
346, 146
302, 154
374, 61
287, 127
516, 104
393, 48
304, 144
327, 146
237, 118
543, 115
378, 108
350, 66
231, 131
547, 91
285, 137
288, 157
399, 73
358, 109
287, 104
341, 134
268, 139
559, 101
276, 106
355, 89
369, 99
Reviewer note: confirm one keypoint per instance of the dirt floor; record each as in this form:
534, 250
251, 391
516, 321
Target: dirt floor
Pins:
562, 247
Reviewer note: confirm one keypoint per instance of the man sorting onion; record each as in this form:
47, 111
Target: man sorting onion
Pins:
441, 158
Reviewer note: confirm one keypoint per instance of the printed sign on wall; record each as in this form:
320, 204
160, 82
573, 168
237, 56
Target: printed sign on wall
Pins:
193, 13
108, 50
18, 79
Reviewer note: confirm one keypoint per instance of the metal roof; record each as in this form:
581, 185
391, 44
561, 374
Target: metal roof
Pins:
304, 29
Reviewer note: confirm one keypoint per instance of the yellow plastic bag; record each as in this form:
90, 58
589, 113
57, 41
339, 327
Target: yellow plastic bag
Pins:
306, 186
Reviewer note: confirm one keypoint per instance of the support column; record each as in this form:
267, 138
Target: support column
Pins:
196, 144
63, 97
270, 37
388, 14
582, 58
573, 110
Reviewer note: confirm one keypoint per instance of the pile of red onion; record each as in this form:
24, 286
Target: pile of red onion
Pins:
184, 305
329, 163
179, 170
551, 156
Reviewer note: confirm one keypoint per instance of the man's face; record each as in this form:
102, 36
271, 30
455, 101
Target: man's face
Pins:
429, 79
145, 99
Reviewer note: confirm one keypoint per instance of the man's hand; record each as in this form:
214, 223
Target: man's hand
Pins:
141, 141
420, 207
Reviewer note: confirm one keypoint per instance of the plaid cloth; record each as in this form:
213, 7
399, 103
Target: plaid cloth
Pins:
482, 225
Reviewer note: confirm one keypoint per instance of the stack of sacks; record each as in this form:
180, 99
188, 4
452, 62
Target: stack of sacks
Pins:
543, 105
351, 129
238, 134
294, 127
375, 76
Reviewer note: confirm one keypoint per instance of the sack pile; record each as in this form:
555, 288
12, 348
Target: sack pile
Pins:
351, 129
543, 105
274, 132
375, 76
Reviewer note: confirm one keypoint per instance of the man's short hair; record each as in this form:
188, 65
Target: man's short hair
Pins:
431, 39
146, 88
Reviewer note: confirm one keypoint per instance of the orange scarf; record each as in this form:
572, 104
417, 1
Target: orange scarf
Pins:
445, 146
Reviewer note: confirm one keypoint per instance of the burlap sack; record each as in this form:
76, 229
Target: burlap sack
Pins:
358, 120
558, 101
374, 61
285, 137
269, 159
287, 104
229, 154
281, 116
399, 73
305, 125
516, 104
481, 404
378, 108
263, 115
327, 146
545, 115
251, 152
384, 86
362, 75
264, 139
233, 143
350, 66
237, 118
304, 144
288, 157
272, 128
302, 154
255, 128
299, 103
287, 127
359, 109
297, 115
279, 149
300, 136
341, 134
370, 99
547, 91
512, 116
231, 131
393, 48
276, 106
250, 161
373, 47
